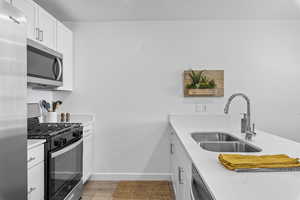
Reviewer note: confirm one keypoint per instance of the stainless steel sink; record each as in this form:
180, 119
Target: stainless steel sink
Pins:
237, 146
222, 142
212, 136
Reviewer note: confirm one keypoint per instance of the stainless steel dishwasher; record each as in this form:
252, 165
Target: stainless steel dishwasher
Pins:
199, 190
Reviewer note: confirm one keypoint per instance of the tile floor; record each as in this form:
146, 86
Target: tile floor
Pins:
127, 190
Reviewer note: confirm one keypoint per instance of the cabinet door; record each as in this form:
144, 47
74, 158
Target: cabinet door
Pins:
30, 10
181, 170
36, 182
65, 46
176, 168
173, 163
186, 173
47, 28
87, 157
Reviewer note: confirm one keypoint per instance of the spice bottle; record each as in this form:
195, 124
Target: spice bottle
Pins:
62, 117
68, 117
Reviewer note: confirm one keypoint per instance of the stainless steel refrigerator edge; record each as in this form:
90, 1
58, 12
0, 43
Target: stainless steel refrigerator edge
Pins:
13, 94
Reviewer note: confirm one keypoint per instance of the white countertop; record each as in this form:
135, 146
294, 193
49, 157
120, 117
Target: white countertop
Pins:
34, 143
230, 185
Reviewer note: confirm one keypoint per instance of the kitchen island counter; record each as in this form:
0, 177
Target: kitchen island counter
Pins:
230, 185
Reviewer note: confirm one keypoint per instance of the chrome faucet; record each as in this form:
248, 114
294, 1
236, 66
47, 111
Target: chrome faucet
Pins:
246, 121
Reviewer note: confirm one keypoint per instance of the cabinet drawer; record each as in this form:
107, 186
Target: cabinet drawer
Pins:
35, 189
87, 157
87, 130
35, 156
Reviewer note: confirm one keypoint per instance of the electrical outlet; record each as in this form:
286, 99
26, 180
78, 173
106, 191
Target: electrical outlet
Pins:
204, 107
200, 108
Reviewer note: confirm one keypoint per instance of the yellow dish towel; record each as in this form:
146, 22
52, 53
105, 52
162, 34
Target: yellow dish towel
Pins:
236, 161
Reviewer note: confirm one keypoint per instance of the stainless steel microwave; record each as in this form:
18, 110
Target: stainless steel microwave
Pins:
44, 66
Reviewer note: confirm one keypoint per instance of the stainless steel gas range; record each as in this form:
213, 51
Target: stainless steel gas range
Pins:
63, 150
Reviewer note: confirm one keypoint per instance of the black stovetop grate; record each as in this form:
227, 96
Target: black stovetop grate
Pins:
44, 130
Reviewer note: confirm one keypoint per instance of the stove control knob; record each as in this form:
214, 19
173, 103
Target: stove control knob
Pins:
63, 140
57, 143
76, 134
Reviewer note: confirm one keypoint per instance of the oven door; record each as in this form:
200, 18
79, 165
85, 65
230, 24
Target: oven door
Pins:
44, 65
65, 170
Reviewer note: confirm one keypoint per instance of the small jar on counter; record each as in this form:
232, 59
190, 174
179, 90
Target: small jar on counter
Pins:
68, 117
62, 117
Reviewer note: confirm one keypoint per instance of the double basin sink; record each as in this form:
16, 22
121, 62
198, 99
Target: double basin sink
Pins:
222, 142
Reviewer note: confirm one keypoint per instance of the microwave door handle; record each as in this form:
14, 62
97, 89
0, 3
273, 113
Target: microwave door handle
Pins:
54, 68
66, 149
60, 69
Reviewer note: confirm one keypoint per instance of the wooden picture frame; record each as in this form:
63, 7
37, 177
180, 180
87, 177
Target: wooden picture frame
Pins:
216, 75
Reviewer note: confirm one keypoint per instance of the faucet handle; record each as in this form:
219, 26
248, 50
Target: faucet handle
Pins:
244, 115
244, 123
249, 134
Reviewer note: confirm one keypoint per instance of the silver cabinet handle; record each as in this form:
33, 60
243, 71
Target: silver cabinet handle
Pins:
37, 33
14, 19
31, 190
31, 159
87, 131
41, 35
172, 148
180, 174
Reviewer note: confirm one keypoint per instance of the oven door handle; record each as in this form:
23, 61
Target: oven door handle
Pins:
66, 149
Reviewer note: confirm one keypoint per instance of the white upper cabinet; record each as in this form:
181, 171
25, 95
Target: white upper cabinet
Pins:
41, 26
65, 46
30, 10
47, 28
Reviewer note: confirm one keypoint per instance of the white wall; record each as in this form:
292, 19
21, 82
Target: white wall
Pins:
34, 96
130, 75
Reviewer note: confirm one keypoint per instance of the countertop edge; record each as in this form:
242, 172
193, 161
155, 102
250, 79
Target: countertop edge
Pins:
239, 181
32, 143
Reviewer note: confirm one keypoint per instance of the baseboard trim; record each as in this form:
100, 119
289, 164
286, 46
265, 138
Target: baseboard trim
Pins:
131, 177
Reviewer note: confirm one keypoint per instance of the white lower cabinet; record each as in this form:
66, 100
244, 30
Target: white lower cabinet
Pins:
87, 152
35, 190
181, 169
36, 182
